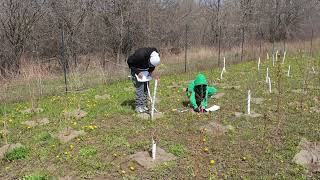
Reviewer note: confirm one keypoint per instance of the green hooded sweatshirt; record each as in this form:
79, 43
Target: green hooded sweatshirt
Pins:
200, 80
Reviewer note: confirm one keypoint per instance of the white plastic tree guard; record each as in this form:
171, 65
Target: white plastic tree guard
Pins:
284, 57
154, 149
269, 81
267, 75
288, 73
249, 102
154, 98
224, 64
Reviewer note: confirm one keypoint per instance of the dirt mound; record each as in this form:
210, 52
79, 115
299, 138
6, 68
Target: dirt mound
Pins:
309, 155
37, 122
145, 160
7, 148
68, 134
77, 114
216, 129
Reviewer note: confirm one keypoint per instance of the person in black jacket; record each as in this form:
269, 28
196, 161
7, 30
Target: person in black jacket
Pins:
143, 59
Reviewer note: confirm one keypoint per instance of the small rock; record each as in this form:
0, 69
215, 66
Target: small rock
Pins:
309, 155
68, 134
37, 122
7, 148
103, 97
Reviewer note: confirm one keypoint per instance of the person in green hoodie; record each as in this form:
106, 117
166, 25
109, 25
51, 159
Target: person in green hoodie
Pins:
199, 92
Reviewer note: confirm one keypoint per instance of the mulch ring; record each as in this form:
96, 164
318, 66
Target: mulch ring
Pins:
309, 155
37, 122
68, 134
251, 115
145, 160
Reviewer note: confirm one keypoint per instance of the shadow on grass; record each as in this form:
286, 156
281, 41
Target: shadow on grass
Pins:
130, 103
186, 104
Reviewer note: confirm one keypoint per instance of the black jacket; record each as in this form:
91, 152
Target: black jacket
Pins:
140, 60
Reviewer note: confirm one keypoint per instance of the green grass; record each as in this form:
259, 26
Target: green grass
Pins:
260, 148
16, 154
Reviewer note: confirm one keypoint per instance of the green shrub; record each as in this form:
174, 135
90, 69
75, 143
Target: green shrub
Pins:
17, 153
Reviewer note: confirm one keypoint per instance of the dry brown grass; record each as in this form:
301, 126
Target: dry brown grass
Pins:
45, 77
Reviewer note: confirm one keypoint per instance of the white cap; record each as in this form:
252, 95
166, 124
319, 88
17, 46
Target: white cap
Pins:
154, 59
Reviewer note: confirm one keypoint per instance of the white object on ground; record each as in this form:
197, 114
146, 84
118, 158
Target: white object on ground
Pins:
259, 61
154, 149
314, 72
288, 74
249, 102
272, 59
268, 56
145, 77
224, 64
269, 80
213, 108
284, 57
154, 98
267, 75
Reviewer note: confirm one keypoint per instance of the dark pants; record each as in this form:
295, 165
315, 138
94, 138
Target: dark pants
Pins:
141, 90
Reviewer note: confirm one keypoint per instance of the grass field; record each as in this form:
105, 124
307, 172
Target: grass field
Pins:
257, 148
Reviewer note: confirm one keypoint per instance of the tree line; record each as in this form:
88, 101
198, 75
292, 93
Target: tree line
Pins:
114, 28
